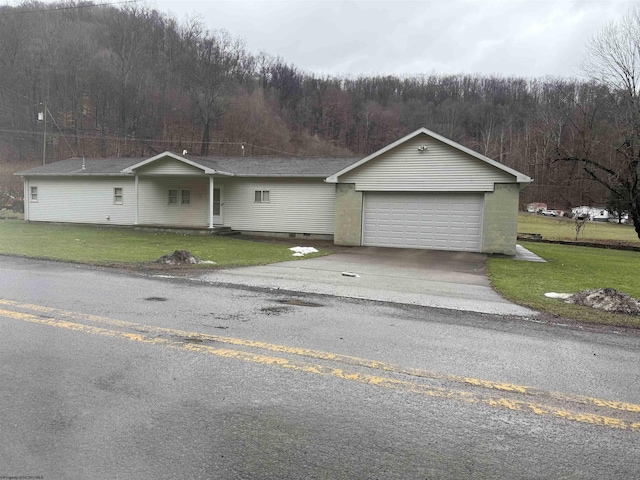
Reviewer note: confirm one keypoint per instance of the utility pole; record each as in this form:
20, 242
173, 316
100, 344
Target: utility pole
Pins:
44, 140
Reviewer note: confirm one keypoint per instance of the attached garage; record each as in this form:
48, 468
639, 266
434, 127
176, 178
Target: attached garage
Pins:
422, 191
426, 191
437, 220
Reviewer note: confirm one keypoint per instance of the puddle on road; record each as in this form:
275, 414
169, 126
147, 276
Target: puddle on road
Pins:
298, 303
156, 299
287, 303
192, 340
274, 310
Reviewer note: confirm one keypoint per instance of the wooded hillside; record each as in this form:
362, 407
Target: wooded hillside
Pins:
133, 81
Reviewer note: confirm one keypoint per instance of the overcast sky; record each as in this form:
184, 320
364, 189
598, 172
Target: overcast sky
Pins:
530, 38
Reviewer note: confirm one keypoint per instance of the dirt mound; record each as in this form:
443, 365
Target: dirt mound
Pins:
607, 299
180, 257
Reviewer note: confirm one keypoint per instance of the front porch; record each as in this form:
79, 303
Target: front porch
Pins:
178, 202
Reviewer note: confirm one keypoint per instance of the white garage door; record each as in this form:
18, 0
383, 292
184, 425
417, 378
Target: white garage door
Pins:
439, 221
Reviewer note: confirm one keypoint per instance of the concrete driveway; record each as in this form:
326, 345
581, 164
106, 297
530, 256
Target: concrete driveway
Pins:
453, 280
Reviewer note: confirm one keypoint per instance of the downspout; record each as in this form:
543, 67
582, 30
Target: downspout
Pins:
210, 201
135, 182
25, 199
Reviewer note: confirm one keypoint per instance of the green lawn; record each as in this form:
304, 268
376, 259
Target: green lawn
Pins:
564, 229
570, 269
118, 246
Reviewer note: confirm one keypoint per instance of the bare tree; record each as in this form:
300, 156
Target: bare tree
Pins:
213, 64
613, 59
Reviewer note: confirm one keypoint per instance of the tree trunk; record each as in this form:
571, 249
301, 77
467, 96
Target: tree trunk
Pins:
204, 147
634, 216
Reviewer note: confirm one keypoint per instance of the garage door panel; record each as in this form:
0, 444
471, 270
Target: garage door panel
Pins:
443, 221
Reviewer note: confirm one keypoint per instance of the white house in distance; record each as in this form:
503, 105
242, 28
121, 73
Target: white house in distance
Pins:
422, 191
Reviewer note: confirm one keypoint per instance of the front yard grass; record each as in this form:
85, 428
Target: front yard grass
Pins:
564, 229
124, 246
569, 269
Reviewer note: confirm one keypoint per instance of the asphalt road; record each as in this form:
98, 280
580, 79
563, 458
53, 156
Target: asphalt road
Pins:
116, 376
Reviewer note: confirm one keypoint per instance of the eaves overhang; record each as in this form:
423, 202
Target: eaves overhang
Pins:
519, 177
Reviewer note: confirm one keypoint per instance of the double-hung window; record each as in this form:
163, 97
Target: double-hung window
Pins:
117, 196
33, 194
179, 197
262, 196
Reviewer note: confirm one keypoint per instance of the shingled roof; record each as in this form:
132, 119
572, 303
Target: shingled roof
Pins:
320, 167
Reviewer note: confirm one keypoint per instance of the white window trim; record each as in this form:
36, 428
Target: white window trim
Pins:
177, 196
261, 194
182, 190
116, 195
33, 194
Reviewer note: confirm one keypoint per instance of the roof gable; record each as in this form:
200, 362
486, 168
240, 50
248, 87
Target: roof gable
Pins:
161, 157
519, 177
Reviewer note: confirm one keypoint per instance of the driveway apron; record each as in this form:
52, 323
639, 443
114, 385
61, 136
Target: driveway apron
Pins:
443, 279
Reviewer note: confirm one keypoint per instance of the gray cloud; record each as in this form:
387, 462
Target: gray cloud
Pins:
505, 37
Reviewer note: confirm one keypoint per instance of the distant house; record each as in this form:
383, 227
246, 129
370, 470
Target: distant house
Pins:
422, 191
536, 207
595, 214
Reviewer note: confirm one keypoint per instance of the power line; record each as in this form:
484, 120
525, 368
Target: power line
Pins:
46, 110
74, 7
148, 140
139, 140
16, 112
274, 150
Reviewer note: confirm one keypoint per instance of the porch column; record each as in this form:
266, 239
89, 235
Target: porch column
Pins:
210, 201
135, 217
26, 198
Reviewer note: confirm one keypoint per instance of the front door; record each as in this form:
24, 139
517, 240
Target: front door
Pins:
217, 206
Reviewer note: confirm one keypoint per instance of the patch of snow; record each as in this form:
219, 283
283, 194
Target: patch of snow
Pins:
563, 296
302, 251
350, 274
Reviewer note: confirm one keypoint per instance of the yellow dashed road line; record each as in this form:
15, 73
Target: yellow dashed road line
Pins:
302, 366
372, 364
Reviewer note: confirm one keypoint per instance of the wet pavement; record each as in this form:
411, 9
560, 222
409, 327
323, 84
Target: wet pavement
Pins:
453, 280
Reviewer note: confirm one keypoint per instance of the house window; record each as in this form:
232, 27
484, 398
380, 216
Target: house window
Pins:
34, 194
179, 197
262, 196
117, 196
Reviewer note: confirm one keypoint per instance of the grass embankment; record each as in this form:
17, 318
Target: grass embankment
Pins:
570, 269
124, 246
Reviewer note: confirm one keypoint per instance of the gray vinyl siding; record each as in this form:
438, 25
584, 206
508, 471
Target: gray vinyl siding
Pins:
440, 168
82, 200
295, 206
169, 166
154, 208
